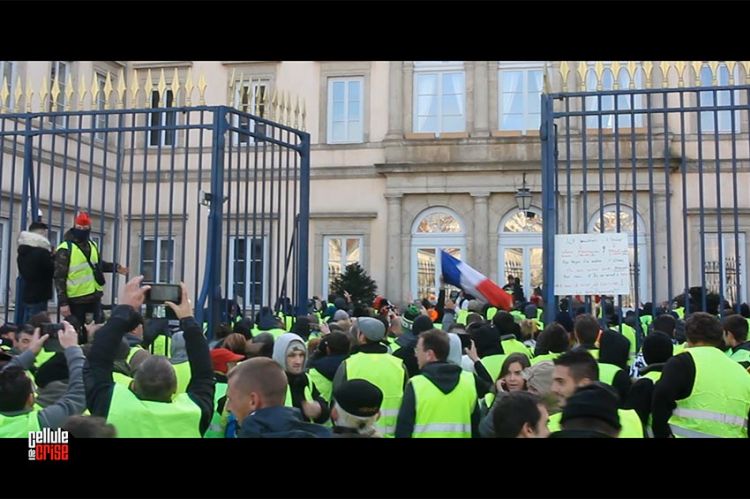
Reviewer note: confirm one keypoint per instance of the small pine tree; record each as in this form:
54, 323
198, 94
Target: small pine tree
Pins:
356, 281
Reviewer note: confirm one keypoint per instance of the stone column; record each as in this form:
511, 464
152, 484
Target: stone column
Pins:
395, 101
481, 100
481, 251
393, 256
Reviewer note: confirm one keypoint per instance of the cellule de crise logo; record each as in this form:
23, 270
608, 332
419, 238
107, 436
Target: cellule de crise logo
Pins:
48, 445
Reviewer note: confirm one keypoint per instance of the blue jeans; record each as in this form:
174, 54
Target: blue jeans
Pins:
31, 309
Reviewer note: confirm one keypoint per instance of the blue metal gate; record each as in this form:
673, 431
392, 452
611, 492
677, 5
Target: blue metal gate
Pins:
167, 189
665, 165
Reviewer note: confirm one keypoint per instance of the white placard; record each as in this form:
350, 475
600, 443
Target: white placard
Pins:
592, 264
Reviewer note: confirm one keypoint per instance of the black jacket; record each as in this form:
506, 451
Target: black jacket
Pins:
408, 342
280, 422
36, 265
443, 375
97, 372
297, 385
641, 393
676, 383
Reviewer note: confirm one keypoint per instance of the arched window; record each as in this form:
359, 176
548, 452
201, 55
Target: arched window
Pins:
434, 229
520, 249
631, 225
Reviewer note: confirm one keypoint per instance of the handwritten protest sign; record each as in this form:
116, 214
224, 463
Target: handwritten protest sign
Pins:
592, 264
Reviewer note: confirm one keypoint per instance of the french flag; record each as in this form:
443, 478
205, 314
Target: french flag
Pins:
461, 275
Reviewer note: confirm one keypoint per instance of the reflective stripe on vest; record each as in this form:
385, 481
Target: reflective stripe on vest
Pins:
323, 384
720, 399
443, 415
19, 426
183, 373
136, 418
80, 279
387, 373
218, 425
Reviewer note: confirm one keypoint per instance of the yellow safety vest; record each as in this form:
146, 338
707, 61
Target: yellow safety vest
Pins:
80, 279
719, 402
19, 426
629, 420
444, 415
323, 384
218, 423
493, 364
607, 373
387, 373
183, 373
545, 357
136, 418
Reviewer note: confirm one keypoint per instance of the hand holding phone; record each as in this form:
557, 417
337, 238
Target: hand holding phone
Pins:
159, 294
51, 330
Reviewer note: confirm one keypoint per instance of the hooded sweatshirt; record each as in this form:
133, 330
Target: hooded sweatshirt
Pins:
298, 382
445, 377
280, 422
36, 265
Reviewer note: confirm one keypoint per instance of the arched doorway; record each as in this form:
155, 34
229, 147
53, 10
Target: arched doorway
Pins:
434, 229
520, 248
631, 226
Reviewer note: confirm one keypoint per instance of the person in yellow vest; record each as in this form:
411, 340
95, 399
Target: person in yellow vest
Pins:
657, 350
613, 362
356, 410
509, 380
255, 396
290, 353
735, 336
441, 402
79, 269
577, 368
702, 392
179, 360
370, 360
332, 350
520, 415
149, 407
591, 412
552, 342
17, 398
222, 361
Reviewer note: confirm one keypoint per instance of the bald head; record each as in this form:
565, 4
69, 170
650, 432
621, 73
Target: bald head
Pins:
155, 380
255, 384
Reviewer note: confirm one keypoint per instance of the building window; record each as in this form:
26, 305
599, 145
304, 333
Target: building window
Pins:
157, 259
732, 272
8, 75
338, 252
433, 230
59, 70
625, 101
247, 271
162, 136
627, 225
345, 110
710, 119
520, 248
519, 91
249, 98
439, 98
100, 119
4, 280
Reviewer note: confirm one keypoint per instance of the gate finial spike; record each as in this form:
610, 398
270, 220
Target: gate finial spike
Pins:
175, 86
163, 90
81, 90
43, 95
202, 89
564, 73
54, 93
296, 113
697, 67
4, 93
232, 86
632, 67
304, 114
275, 105
18, 94
664, 66
29, 95
94, 91
746, 64
680, 66
121, 89
582, 75
107, 89
148, 89
189, 88
134, 88
69, 93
